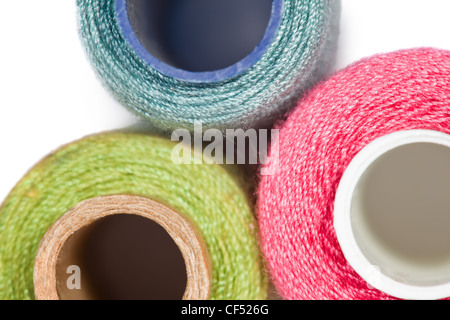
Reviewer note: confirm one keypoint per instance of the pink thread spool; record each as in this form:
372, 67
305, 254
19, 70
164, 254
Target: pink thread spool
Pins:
358, 207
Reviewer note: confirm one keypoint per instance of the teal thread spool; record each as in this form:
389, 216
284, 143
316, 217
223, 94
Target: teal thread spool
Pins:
173, 91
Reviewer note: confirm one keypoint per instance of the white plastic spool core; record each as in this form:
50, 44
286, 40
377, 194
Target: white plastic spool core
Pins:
392, 214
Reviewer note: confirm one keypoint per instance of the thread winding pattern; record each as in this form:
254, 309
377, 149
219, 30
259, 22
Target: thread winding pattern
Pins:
299, 56
384, 94
134, 164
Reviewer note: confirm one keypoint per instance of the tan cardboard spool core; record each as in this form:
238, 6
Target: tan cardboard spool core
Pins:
57, 240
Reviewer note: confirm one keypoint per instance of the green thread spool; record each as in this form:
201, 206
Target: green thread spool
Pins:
117, 163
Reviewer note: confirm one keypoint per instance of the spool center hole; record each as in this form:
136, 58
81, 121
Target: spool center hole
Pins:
400, 213
199, 35
122, 257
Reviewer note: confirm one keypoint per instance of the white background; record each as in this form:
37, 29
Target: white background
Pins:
49, 95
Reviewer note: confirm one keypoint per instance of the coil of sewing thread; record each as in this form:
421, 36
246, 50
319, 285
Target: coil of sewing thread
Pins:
363, 173
226, 64
112, 217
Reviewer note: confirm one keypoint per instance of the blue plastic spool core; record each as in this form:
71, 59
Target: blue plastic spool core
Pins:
200, 40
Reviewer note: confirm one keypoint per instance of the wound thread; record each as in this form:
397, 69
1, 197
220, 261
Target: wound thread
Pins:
405, 90
298, 55
134, 164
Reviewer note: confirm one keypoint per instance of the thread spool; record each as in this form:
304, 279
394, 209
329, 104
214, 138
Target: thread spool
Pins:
219, 63
67, 240
135, 171
372, 131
